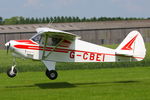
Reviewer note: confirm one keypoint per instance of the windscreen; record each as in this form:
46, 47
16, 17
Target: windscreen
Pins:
37, 38
51, 41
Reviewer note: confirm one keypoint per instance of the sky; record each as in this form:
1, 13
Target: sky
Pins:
81, 8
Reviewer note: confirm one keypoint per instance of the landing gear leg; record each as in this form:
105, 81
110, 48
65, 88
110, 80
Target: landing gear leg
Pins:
51, 73
12, 72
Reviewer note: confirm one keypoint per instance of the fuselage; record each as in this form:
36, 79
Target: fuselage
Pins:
67, 51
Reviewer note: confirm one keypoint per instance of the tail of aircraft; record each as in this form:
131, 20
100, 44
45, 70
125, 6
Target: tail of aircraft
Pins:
133, 45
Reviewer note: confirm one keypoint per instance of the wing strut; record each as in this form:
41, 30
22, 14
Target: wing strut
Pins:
54, 49
44, 49
46, 38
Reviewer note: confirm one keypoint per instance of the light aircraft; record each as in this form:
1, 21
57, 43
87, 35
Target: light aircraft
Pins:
51, 46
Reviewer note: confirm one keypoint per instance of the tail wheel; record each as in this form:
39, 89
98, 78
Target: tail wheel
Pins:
12, 72
52, 74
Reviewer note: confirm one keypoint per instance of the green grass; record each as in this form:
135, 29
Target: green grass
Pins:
96, 81
97, 84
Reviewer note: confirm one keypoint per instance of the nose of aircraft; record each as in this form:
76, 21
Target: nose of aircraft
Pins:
8, 45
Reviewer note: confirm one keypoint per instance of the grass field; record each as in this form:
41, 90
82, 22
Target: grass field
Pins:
97, 84
90, 81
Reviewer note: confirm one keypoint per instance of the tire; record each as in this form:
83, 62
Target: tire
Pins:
11, 75
52, 74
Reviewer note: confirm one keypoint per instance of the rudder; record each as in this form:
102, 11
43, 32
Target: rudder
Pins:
133, 45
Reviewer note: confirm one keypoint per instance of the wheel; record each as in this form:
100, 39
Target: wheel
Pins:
12, 72
52, 74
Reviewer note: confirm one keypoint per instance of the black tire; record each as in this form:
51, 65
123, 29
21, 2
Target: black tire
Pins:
52, 74
11, 75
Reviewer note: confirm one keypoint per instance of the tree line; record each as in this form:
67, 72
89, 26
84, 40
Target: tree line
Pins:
59, 19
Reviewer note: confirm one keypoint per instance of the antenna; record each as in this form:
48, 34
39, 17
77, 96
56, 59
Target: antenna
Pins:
50, 23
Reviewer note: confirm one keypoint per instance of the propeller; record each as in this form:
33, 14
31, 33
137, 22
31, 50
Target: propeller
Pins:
7, 46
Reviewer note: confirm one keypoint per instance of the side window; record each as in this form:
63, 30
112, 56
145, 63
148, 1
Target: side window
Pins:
53, 41
49, 41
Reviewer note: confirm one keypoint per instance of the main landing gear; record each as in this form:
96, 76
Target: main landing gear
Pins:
50, 72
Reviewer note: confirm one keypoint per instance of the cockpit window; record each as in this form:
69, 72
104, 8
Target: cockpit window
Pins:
37, 38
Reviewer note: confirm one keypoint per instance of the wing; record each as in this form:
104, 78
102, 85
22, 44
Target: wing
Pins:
57, 33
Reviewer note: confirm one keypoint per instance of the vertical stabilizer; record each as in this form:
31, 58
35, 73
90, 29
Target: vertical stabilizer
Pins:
133, 45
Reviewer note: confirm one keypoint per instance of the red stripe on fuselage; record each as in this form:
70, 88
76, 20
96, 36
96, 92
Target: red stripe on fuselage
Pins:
26, 41
63, 50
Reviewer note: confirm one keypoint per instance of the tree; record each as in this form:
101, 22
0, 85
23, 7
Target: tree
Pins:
47, 20
69, 19
27, 20
1, 20
62, 19
44, 20
55, 19
78, 19
22, 20
51, 20
93, 19
40, 20
36, 20
58, 19
32, 20
12, 20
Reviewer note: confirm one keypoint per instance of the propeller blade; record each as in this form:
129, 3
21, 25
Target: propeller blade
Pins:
7, 47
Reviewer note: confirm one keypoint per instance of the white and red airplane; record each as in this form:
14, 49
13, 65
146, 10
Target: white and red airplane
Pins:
51, 46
